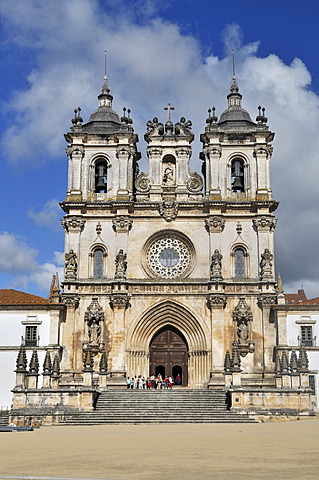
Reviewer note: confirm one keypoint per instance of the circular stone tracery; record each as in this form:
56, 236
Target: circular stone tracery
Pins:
168, 257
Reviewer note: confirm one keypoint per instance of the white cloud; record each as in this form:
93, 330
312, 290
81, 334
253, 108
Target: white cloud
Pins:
150, 64
42, 277
49, 216
15, 255
20, 260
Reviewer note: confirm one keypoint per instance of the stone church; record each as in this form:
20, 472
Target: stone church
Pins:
166, 271
170, 272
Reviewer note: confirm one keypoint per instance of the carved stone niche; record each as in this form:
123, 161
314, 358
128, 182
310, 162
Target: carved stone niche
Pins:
243, 317
94, 320
122, 224
216, 300
215, 224
120, 300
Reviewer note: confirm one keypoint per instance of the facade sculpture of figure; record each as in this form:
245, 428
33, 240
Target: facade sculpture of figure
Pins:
168, 176
71, 264
266, 264
120, 265
94, 331
243, 333
216, 266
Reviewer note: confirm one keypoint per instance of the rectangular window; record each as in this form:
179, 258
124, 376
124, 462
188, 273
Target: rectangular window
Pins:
312, 384
31, 335
306, 335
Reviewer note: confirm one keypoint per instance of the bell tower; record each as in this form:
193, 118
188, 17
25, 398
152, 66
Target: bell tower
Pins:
236, 167
102, 153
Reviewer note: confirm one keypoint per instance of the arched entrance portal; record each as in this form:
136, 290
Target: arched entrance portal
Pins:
169, 354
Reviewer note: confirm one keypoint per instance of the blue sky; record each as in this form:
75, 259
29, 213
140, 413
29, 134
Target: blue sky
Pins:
52, 60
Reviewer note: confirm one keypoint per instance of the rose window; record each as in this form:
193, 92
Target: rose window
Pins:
168, 257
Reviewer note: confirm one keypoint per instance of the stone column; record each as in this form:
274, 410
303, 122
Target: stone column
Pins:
119, 302
216, 302
69, 331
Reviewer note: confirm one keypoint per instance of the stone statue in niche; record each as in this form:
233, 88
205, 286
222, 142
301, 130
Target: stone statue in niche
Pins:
168, 174
243, 333
216, 266
120, 265
243, 317
266, 264
94, 331
94, 316
71, 265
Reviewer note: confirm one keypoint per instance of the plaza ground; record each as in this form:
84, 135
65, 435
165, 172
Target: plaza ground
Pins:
278, 450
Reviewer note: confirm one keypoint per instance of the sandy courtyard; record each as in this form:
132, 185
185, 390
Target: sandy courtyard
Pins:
133, 452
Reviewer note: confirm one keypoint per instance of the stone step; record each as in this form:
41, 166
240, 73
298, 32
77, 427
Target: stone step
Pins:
159, 406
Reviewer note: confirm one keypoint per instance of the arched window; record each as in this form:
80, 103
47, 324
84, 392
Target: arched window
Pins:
98, 263
100, 176
237, 175
239, 259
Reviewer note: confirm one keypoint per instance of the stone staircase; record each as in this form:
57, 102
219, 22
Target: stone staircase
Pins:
159, 406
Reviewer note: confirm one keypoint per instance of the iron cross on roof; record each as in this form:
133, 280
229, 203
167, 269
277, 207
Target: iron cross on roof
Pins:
169, 108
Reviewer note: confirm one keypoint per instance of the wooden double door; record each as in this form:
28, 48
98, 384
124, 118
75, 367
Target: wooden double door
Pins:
169, 355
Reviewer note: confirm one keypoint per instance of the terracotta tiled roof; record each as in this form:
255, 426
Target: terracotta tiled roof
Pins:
14, 297
296, 297
311, 301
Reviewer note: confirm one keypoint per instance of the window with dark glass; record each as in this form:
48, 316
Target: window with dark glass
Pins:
306, 335
98, 258
101, 176
237, 176
312, 384
31, 335
239, 255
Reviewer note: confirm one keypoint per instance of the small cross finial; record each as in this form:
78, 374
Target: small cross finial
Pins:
169, 108
234, 74
104, 63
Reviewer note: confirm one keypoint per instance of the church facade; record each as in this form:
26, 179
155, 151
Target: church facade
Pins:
162, 261
170, 272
